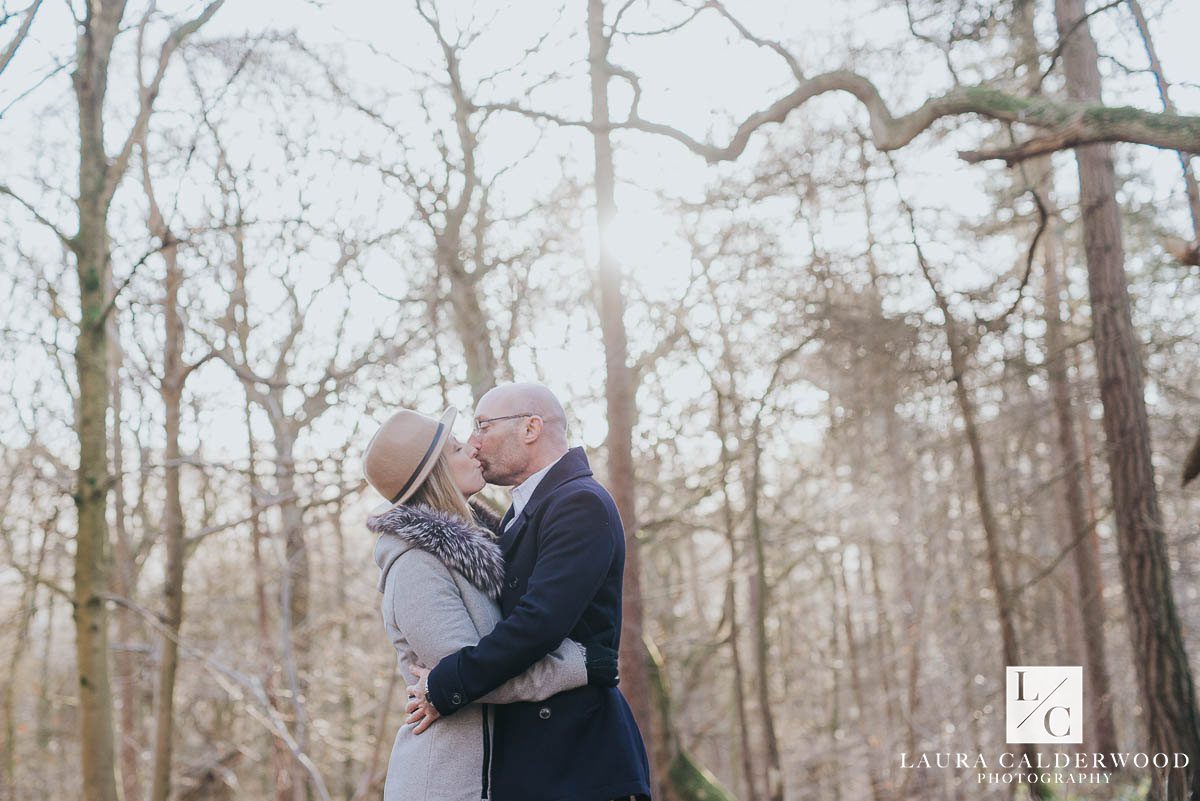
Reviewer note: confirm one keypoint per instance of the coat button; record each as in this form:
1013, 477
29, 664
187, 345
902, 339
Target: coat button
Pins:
512, 584
544, 713
456, 699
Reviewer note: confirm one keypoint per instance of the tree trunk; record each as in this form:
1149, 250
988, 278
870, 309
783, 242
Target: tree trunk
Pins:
373, 777
93, 268
91, 542
98, 180
619, 391
171, 390
1164, 676
43, 732
448, 227
991, 526
686, 779
472, 325
345, 642
901, 462
26, 612
282, 773
1085, 439
746, 752
1085, 543
126, 662
856, 681
759, 602
831, 769
281, 757
885, 641
294, 595
1080, 534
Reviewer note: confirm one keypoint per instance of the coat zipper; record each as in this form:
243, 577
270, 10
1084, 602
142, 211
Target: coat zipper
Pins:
487, 752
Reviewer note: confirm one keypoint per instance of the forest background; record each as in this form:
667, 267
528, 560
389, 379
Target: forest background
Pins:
886, 351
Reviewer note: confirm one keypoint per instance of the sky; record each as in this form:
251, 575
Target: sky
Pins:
701, 79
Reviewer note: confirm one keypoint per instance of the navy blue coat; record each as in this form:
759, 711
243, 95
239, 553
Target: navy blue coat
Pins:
564, 559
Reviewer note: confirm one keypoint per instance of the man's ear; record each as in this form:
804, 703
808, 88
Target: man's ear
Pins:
533, 429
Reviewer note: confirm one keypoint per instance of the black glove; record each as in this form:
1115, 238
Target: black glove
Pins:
601, 665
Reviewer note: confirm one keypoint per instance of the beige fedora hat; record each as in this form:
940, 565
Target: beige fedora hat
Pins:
402, 454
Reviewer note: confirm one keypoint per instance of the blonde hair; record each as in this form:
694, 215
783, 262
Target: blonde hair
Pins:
439, 491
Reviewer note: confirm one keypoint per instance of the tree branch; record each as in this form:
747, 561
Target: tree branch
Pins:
149, 92
617, 19
167, 241
1100, 124
614, 30
1069, 124
235, 684
998, 323
67, 241
275, 500
36, 578
11, 50
779, 49
1062, 40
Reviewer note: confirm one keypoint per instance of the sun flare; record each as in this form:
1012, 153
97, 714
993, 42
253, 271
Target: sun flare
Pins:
645, 243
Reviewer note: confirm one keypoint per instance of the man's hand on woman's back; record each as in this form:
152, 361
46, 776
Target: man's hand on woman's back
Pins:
601, 664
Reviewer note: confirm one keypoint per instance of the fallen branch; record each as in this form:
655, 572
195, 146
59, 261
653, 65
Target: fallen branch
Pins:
235, 684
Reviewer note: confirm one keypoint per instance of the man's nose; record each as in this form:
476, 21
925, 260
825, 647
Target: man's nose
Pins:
473, 443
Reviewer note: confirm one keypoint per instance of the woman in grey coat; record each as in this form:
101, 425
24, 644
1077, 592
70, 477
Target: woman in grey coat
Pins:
440, 572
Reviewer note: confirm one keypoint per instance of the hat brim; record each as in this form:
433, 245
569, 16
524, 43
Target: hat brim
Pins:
446, 429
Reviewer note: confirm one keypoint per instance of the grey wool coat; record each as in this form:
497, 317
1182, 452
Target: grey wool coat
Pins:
441, 577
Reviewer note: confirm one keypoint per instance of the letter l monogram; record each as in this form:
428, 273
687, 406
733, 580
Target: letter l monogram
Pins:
1021, 687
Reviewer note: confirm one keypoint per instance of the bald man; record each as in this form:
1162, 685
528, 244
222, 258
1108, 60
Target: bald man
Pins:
564, 551
520, 431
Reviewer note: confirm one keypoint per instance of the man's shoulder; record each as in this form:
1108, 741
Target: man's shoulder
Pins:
579, 488
586, 495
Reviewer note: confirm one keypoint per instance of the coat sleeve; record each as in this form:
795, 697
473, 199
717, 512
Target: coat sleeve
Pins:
428, 609
564, 668
575, 552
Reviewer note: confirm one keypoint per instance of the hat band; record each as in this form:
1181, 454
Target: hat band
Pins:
420, 465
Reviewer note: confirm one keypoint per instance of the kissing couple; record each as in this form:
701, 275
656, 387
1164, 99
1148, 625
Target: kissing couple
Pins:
509, 627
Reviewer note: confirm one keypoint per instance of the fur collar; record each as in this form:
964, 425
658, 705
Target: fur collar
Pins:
485, 517
462, 546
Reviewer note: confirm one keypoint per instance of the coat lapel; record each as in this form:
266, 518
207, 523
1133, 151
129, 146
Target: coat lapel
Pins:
506, 531
512, 535
572, 465
508, 515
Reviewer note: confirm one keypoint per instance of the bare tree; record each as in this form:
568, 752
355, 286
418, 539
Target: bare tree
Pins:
1164, 675
817, 588
32, 572
99, 177
1081, 536
959, 344
270, 378
455, 205
619, 386
175, 373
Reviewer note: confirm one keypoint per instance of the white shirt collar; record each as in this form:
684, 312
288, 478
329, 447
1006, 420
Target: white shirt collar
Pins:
524, 491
